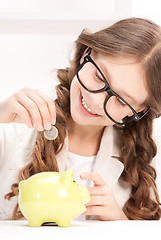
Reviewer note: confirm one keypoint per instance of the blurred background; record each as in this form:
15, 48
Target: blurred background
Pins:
37, 35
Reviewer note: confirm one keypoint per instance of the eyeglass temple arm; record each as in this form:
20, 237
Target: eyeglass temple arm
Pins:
88, 51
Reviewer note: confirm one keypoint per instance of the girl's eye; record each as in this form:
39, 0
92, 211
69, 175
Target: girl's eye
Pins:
120, 102
98, 76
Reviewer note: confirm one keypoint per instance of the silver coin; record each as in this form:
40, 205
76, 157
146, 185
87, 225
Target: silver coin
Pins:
51, 134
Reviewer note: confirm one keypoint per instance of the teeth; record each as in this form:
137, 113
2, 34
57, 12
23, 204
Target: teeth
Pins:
86, 107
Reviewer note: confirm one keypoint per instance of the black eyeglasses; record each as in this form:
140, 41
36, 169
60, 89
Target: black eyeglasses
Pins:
92, 79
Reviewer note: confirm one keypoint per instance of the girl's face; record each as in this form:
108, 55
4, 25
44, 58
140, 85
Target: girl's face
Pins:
124, 76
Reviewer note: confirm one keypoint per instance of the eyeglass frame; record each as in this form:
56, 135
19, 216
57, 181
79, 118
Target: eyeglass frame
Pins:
110, 92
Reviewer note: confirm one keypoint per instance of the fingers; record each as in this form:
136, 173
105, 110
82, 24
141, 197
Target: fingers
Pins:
99, 190
50, 105
95, 177
97, 201
94, 210
39, 111
28, 104
40, 108
25, 116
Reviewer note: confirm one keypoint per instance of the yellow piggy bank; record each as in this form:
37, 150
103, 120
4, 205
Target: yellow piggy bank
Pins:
52, 197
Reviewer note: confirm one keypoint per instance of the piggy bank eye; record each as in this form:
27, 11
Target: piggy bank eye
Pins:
76, 184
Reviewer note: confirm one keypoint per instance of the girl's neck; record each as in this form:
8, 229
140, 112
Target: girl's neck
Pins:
85, 133
84, 140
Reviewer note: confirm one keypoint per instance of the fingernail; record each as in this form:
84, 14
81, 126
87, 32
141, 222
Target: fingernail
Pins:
48, 126
83, 175
40, 128
53, 121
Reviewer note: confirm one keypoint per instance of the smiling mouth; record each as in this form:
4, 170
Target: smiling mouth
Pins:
86, 108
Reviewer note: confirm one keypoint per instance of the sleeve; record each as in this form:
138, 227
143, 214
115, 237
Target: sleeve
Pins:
16, 141
16, 147
6, 133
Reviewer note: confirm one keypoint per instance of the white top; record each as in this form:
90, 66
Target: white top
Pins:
80, 164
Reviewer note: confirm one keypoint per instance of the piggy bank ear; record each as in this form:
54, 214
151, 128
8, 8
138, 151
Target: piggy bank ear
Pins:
67, 177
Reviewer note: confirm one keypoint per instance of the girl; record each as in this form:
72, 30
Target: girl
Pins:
106, 103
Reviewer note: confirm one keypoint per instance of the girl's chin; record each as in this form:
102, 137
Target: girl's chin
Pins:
78, 119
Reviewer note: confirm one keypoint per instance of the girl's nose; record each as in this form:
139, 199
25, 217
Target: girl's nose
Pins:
98, 99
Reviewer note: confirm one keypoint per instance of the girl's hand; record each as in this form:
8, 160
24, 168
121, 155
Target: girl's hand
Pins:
29, 106
102, 202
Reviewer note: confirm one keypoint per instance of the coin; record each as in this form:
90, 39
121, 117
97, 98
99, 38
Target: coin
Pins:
51, 134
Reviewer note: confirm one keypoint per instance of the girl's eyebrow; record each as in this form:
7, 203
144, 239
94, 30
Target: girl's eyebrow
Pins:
108, 77
130, 97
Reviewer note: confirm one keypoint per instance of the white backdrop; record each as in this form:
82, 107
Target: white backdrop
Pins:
27, 60
37, 35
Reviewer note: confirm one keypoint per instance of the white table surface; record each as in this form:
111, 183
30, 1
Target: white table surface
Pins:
82, 229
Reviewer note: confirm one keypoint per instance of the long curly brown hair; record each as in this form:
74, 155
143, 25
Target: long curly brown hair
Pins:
139, 39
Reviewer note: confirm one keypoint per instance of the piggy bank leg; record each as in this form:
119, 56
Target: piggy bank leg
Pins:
34, 222
64, 222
